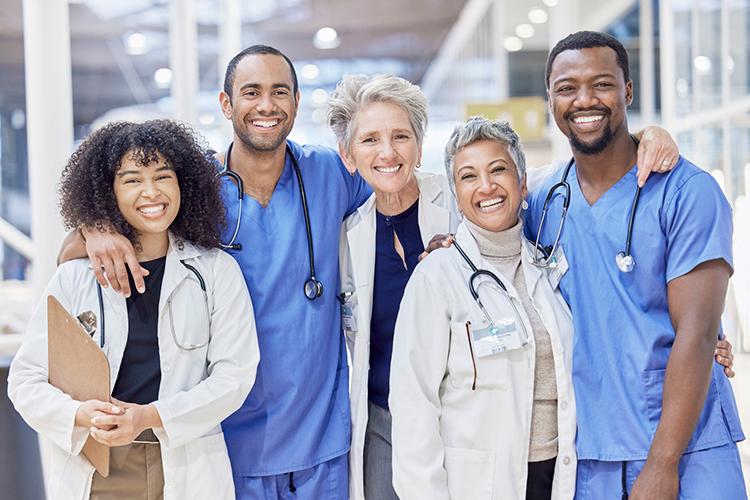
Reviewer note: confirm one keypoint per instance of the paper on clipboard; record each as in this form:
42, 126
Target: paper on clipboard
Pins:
79, 368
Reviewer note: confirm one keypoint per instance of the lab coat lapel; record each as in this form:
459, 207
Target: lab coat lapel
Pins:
361, 239
433, 219
174, 271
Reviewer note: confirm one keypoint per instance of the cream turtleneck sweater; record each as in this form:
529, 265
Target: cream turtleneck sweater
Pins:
503, 251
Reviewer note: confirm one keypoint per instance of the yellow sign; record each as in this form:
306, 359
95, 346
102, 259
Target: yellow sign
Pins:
527, 115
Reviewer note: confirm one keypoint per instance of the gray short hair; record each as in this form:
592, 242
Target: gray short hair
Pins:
355, 91
479, 128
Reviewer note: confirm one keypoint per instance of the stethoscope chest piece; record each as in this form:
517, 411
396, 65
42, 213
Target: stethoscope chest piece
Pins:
625, 262
313, 289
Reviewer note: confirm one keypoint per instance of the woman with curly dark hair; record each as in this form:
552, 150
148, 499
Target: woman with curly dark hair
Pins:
182, 354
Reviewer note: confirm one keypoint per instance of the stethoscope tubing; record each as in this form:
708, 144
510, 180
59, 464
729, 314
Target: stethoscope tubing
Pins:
189, 347
312, 288
476, 273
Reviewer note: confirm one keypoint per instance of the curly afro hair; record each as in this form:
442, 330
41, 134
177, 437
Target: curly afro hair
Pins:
87, 196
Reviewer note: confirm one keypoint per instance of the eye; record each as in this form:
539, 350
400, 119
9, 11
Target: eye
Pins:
403, 136
466, 177
131, 180
602, 84
498, 169
368, 140
250, 93
281, 92
164, 176
564, 89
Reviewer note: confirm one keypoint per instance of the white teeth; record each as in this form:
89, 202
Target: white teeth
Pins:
152, 209
588, 119
491, 203
388, 170
265, 123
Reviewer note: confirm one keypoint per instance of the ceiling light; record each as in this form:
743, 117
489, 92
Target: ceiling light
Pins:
549, 3
206, 119
524, 30
512, 44
136, 44
163, 78
310, 71
319, 96
326, 38
538, 15
702, 65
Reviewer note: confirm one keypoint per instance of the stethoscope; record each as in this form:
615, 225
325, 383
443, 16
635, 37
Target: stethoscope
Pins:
313, 288
476, 273
90, 328
624, 259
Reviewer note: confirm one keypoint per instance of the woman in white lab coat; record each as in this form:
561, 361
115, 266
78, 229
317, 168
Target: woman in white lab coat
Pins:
379, 122
482, 403
182, 353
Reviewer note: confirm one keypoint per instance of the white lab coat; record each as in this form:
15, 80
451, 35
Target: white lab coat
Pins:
198, 388
437, 215
452, 442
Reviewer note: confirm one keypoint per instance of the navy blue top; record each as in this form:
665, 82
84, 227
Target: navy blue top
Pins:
390, 281
140, 370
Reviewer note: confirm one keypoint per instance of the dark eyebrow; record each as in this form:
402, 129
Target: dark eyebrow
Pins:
253, 85
136, 172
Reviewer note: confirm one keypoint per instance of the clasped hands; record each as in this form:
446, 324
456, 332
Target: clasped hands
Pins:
116, 423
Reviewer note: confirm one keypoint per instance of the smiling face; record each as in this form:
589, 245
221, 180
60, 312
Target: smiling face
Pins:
383, 147
589, 97
263, 105
488, 190
147, 196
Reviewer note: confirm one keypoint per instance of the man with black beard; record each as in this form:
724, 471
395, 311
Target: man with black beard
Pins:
656, 416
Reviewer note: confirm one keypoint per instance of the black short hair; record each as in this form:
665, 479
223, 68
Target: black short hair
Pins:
587, 40
87, 195
251, 51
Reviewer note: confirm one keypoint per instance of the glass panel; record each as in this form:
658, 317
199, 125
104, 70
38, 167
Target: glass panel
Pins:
739, 48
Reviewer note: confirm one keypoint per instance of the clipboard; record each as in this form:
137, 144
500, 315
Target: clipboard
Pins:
79, 368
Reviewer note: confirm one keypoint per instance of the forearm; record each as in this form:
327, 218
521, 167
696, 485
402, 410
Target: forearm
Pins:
685, 387
73, 247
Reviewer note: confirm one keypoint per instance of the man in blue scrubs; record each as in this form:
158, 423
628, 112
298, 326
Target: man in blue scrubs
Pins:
291, 436
656, 416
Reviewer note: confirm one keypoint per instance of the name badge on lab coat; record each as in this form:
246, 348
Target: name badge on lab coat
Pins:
559, 268
500, 337
348, 302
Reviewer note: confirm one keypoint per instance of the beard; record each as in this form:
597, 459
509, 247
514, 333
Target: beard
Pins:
595, 147
262, 144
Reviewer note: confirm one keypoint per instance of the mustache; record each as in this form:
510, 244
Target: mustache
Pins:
602, 109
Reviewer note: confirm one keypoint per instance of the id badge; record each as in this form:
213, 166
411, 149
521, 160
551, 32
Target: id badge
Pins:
348, 317
558, 268
503, 336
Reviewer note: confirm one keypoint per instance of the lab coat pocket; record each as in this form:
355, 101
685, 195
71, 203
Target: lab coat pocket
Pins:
349, 302
209, 473
470, 473
466, 370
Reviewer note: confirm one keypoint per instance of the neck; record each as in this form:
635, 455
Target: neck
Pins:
396, 203
152, 246
603, 170
259, 170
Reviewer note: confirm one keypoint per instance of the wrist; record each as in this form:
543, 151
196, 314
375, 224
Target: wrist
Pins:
664, 459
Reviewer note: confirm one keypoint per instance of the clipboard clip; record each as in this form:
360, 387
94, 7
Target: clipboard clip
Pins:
87, 319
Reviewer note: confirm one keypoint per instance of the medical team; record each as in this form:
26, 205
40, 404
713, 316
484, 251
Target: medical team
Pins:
643, 342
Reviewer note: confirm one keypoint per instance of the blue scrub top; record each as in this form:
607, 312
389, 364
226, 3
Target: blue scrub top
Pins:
297, 414
623, 332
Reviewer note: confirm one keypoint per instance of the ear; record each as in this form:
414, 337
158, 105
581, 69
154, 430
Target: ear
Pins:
347, 159
524, 189
226, 105
419, 156
629, 92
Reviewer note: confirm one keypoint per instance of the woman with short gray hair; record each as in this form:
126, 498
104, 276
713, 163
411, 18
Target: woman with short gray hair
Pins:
380, 123
483, 346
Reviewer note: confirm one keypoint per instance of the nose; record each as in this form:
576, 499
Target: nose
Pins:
264, 103
387, 152
585, 97
485, 183
150, 189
